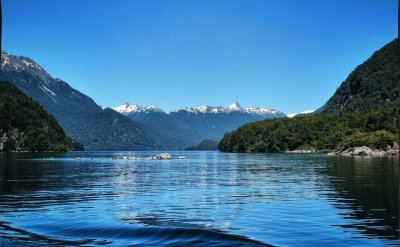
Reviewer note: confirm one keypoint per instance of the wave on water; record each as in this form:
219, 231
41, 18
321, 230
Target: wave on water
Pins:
121, 236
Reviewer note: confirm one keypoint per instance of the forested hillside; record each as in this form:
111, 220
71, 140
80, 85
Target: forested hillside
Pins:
364, 111
374, 82
26, 126
316, 132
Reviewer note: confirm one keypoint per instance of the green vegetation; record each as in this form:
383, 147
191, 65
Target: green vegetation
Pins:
373, 128
205, 145
374, 82
364, 111
75, 145
26, 126
379, 139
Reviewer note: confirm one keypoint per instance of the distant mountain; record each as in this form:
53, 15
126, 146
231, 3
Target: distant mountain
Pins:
373, 83
194, 124
132, 109
80, 117
25, 125
300, 113
204, 145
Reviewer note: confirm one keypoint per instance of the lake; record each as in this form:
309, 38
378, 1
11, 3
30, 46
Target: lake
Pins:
208, 199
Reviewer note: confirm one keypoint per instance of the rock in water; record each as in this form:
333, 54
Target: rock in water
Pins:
165, 156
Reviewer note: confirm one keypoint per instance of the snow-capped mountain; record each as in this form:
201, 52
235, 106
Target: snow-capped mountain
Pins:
202, 109
194, 124
80, 117
98, 128
11, 63
299, 114
127, 109
234, 107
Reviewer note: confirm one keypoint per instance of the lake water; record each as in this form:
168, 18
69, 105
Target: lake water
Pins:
209, 199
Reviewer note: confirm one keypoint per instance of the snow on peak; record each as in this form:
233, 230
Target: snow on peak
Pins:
127, 109
251, 110
259, 110
302, 113
21, 63
203, 109
153, 108
235, 107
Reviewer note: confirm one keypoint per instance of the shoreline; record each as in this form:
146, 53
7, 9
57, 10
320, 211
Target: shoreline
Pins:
368, 152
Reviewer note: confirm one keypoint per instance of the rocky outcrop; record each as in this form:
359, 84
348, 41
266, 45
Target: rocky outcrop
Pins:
164, 156
367, 151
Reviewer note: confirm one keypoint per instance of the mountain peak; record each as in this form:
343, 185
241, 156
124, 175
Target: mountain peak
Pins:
235, 107
20, 63
127, 109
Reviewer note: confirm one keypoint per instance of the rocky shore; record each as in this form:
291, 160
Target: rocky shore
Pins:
367, 151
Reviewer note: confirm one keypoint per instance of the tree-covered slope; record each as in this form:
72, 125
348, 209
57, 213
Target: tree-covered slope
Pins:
25, 125
363, 111
316, 132
374, 82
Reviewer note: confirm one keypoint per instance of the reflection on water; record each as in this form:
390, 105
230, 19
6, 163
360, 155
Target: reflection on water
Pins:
370, 187
211, 198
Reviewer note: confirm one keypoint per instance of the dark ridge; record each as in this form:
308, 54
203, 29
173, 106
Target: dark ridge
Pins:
26, 126
363, 111
373, 83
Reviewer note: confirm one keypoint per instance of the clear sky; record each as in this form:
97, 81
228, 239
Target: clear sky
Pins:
288, 55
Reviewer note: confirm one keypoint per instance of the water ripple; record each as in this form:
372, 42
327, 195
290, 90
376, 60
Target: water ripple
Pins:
210, 199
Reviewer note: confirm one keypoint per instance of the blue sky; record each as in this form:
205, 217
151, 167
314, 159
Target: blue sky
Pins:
288, 55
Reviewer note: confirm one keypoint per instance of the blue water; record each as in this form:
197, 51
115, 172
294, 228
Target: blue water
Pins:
208, 199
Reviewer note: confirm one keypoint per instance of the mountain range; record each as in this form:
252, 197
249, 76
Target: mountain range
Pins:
195, 124
127, 127
80, 117
132, 127
234, 107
